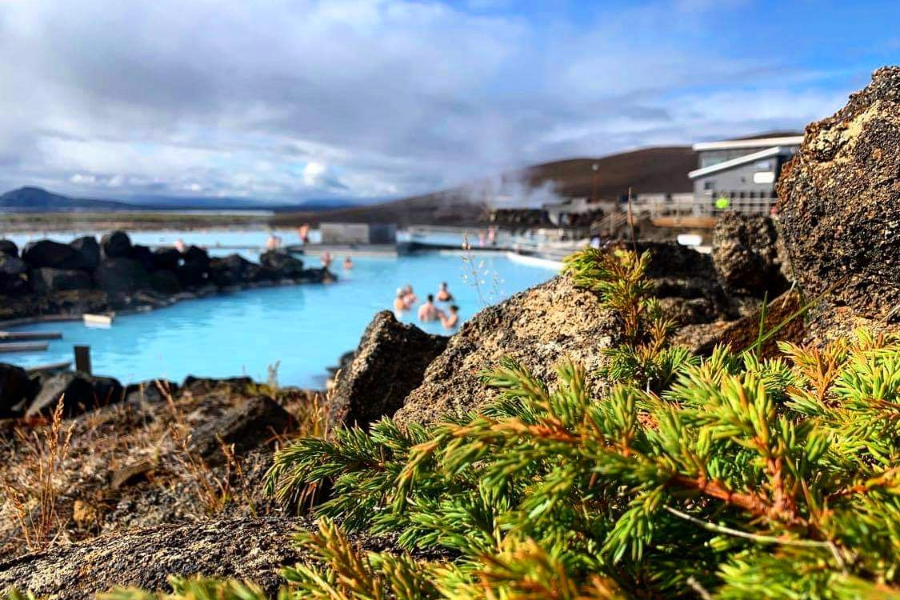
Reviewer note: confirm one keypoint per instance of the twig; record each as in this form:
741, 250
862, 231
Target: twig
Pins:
762, 539
697, 587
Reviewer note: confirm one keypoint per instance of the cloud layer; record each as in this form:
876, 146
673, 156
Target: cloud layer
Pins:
291, 99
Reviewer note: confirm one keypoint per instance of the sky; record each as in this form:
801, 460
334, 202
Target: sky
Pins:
369, 99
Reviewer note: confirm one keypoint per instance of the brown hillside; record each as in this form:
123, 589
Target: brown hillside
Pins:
649, 170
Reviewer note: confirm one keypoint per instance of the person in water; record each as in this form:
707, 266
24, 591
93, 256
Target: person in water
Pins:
428, 311
452, 320
400, 302
303, 232
348, 263
410, 296
444, 294
326, 259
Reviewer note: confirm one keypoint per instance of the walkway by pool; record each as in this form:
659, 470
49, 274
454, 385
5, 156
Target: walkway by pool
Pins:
306, 328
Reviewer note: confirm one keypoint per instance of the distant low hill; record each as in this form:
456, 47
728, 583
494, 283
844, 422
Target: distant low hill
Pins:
35, 199
650, 170
38, 199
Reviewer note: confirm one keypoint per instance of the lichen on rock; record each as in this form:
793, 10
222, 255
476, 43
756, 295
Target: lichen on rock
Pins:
840, 205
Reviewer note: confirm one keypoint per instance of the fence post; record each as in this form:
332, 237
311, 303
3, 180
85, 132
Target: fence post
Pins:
83, 359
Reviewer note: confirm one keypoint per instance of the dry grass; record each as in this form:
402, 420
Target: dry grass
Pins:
68, 480
34, 501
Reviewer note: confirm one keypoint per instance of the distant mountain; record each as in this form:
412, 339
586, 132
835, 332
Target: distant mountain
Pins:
35, 199
38, 199
322, 204
650, 170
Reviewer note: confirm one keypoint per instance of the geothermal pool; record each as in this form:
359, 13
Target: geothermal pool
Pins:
305, 328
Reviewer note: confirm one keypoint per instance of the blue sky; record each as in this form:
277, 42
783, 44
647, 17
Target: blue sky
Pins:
295, 99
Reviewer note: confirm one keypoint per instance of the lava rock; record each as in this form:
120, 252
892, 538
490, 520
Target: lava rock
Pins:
204, 385
192, 275
250, 549
88, 252
16, 387
166, 258
47, 253
46, 281
116, 244
12, 275
196, 255
80, 393
232, 270
143, 255
248, 426
389, 363
747, 256
156, 390
165, 283
12, 266
281, 265
784, 312
840, 204
9, 248
321, 275
682, 277
121, 276
538, 328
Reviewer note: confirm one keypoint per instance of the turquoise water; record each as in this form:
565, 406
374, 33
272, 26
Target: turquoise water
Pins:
305, 327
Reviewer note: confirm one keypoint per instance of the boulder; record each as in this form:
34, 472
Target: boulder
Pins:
281, 265
143, 255
389, 363
11, 267
46, 281
204, 385
685, 282
166, 258
115, 244
748, 256
80, 392
165, 283
840, 205
121, 276
251, 549
16, 387
155, 390
250, 425
232, 270
75, 302
539, 328
196, 255
47, 253
9, 248
321, 275
192, 275
741, 334
87, 251
12, 276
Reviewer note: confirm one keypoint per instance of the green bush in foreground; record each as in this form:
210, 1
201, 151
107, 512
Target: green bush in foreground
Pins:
772, 479
726, 477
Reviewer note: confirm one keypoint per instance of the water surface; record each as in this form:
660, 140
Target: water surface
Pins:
306, 328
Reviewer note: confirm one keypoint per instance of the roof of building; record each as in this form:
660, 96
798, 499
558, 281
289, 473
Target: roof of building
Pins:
755, 142
736, 162
766, 135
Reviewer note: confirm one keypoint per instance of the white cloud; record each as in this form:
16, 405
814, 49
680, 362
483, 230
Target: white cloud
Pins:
293, 98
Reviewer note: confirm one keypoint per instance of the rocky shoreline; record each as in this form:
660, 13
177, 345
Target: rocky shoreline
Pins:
87, 276
55, 280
